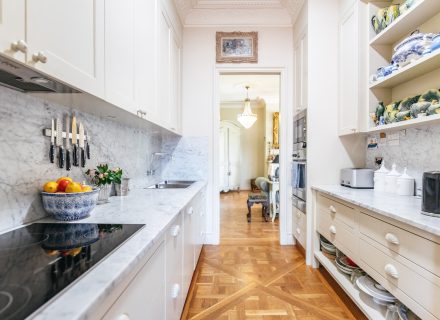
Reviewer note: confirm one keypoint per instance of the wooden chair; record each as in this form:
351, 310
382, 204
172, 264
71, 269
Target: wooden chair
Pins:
261, 197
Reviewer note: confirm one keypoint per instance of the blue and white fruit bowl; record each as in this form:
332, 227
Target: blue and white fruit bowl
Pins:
70, 206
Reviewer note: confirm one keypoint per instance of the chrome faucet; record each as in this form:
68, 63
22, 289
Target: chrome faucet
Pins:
154, 155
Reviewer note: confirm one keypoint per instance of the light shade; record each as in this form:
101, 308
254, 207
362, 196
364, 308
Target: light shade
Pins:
247, 118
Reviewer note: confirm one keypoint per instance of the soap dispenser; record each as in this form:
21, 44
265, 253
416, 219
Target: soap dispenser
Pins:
391, 180
405, 185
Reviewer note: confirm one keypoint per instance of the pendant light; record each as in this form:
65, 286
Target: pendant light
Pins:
247, 118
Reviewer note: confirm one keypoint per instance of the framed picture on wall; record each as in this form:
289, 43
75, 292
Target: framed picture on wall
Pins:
237, 47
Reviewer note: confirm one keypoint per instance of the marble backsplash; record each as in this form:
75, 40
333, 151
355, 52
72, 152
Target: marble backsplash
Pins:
24, 159
418, 150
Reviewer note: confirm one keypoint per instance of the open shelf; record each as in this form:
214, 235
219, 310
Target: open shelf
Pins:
413, 70
424, 121
363, 301
420, 12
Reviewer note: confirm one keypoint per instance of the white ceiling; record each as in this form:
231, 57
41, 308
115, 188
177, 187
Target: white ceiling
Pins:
266, 87
238, 12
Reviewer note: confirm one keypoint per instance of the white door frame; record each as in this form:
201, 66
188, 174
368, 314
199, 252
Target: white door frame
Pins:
286, 127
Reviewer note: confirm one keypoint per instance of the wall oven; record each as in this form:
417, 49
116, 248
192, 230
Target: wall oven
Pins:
299, 162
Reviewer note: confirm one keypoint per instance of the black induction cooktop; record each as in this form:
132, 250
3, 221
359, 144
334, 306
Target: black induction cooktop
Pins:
40, 260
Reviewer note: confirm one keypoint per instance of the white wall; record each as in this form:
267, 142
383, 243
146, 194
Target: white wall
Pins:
251, 143
199, 76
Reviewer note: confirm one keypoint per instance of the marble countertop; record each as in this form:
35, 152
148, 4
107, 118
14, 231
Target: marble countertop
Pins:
152, 207
401, 208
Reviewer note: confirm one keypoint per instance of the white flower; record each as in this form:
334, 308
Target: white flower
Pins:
101, 176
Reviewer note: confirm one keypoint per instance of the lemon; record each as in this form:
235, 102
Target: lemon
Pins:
73, 187
50, 187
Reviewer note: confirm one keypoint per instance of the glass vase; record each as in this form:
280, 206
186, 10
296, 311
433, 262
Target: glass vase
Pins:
122, 188
104, 194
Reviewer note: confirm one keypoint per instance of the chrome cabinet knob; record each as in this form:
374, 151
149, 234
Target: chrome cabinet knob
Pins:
39, 57
19, 45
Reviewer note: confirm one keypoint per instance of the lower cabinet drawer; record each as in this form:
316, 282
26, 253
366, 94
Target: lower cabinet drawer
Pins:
145, 295
396, 274
299, 226
421, 251
336, 210
339, 234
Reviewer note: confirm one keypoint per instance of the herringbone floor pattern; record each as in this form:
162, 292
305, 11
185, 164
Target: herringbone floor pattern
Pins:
250, 276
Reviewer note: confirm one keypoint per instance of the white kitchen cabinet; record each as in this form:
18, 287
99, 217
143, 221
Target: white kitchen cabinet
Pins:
145, 58
12, 29
189, 241
301, 72
145, 295
119, 53
169, 73
352, 93
174, 267
66, 40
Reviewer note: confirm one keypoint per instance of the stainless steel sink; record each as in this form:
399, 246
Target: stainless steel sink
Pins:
171, 184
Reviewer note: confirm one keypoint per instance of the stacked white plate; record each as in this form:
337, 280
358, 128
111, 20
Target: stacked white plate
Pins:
406, 314
375, 290
344, 266
327, 247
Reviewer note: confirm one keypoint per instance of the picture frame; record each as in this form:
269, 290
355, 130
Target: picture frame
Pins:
237, 47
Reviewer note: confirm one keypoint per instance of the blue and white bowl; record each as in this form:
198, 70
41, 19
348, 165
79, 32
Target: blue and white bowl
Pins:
70, 206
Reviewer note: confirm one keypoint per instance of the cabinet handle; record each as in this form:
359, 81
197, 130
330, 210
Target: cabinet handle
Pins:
332, 209
39, 57
392, 238
298, 215
123, 317
391, 271
175, 291
19, 45
190, 211
332, 229
298, 230
175, 231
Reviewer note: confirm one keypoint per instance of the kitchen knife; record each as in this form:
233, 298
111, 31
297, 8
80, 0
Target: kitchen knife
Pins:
52, 142
88, 145
74, 142
81, 145
60, 143
68, 166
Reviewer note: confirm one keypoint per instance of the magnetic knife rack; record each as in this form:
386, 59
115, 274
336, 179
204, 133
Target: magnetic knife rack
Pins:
48, 133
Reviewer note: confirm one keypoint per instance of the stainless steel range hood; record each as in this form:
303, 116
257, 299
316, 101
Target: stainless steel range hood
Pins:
18, 76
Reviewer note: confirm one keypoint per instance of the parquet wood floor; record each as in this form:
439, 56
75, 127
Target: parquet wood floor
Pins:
250, 276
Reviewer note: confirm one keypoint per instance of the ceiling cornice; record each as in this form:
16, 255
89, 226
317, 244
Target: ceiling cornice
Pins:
238, 12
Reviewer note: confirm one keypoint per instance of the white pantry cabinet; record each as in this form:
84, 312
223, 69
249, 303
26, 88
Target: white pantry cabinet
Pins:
145, 294
12, 29
66, 40
352, 96
301, 72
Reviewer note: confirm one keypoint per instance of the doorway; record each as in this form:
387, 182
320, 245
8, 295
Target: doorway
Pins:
249, 146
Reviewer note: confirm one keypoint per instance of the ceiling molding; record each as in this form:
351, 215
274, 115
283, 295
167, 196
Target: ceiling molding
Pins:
238, 12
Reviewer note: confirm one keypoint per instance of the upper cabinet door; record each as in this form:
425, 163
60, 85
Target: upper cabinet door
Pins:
66, 40
145, 57
12, 29
119, 53
175, 76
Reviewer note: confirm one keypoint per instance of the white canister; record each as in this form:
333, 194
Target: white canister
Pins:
391, 180
379, 178
405, 185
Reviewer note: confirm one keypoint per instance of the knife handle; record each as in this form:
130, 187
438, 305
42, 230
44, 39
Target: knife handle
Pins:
68, 166
52, 153
75, 156
83, 158
88, 150
61, 157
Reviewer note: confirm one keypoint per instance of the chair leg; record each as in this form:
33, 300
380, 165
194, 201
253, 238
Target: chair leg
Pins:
249, 215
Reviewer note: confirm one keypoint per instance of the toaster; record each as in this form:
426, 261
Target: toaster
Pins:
357, 178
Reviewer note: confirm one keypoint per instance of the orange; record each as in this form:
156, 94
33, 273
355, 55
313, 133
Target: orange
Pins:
64, 178
86, 188
50, 187
73, 187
